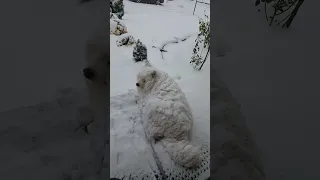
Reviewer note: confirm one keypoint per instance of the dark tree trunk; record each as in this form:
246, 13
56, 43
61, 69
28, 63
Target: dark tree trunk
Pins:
293, 14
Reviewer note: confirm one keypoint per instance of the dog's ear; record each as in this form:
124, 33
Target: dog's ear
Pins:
153, 74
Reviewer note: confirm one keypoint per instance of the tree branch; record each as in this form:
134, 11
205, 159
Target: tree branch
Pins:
293, 14
175, 41
287, 8
265, 10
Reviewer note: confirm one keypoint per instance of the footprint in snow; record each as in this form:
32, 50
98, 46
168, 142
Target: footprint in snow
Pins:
177, 77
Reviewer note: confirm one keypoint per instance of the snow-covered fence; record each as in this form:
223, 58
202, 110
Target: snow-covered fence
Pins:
201, 2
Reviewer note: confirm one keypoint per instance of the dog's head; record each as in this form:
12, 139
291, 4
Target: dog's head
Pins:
98, 62
146, 79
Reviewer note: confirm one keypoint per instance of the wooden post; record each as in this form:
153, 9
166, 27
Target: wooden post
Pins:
205, 58
195, 7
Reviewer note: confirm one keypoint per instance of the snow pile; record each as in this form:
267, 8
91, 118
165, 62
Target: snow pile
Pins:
117, 28
125, 39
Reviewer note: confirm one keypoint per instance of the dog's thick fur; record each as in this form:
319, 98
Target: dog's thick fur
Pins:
96, 74
166, 115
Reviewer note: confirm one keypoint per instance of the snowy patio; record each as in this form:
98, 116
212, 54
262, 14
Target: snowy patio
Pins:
154, 25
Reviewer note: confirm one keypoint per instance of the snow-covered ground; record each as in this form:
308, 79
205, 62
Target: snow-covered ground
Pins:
154, 25
42, 55
42, 52
42, 48
273, 73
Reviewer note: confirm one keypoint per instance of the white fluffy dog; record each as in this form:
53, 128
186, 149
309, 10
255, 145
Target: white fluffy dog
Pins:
96, 75
167, 117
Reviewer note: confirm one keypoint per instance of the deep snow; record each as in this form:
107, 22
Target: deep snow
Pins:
154, 25
273, 73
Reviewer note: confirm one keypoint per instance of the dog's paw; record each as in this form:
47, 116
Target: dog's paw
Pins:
85, 118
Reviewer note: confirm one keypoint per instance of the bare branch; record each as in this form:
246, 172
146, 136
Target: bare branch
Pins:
287, 8
175, 41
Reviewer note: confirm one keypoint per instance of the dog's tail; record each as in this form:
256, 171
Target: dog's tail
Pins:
183, 152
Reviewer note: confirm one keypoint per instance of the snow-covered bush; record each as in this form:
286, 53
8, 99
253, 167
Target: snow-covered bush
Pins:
113, 16
202, 42
157, 2
117, 28
139, 51
281, 12
117, 8
125, 39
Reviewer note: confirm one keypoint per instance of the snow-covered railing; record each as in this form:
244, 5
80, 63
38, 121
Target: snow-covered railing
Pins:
202, 2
